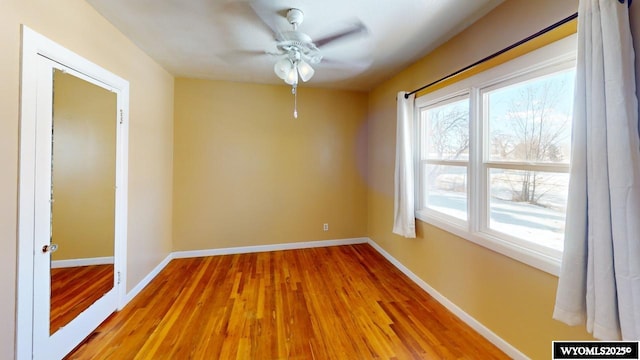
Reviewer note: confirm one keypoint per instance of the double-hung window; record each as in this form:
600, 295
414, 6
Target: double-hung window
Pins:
493, 155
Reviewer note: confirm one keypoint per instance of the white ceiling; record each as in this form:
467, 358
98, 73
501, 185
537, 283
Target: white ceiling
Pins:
225, 39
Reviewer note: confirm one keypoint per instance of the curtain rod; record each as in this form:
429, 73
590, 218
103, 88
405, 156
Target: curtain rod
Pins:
531, 37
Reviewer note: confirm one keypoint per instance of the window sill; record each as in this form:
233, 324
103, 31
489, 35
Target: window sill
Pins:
522, 254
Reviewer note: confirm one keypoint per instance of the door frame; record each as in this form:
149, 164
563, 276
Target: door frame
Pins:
34, 48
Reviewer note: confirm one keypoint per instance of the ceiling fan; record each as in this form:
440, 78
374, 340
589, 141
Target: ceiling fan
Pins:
297, 52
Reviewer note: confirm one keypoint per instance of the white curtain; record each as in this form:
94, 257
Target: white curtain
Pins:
600, 275
404, 222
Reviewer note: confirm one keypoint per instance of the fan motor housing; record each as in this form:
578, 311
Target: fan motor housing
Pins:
295, 17
291, 42
296, 36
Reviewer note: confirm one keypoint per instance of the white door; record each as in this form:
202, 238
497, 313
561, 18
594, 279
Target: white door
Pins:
35, 338
48, 344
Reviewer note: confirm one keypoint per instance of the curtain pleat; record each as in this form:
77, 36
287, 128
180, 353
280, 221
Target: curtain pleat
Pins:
404, 222
599, 280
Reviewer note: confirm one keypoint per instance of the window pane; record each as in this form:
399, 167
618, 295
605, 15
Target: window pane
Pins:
531, 121
447, 131
446, 189
530, 205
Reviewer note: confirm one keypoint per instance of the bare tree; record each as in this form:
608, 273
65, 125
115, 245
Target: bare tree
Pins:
449, 132
449, 140
534, 133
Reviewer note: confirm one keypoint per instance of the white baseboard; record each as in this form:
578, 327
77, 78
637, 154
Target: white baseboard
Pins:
496, 340
263, 248
81, 262
147, 279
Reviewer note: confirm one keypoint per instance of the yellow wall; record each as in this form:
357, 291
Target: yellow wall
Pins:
76, 26
84, 168
248, 173
513, 300
248, 169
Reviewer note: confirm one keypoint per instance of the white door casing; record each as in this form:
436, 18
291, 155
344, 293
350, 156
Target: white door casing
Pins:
40, 57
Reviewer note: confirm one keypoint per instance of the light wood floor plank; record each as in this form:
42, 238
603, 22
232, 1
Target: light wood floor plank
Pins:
74, 289
344, 302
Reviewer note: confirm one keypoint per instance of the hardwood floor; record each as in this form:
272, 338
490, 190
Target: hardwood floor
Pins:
343, 302
74, 289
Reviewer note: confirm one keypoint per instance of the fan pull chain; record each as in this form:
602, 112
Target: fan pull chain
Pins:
295, 101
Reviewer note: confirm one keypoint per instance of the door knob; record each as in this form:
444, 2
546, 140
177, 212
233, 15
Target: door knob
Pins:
50, 248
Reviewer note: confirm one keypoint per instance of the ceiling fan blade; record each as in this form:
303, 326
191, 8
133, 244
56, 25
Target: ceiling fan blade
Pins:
267, 18
251, 52
357, 65
242, 56
356, 28
250, 11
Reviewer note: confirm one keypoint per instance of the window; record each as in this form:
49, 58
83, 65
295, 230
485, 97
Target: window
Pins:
493, 155
444, 159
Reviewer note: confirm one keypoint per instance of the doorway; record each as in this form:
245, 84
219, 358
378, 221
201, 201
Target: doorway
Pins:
72, 198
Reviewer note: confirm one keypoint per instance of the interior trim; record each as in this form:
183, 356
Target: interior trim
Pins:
263, 248
55, 264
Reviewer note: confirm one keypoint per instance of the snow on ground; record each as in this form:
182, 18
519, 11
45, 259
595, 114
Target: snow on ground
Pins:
541, 225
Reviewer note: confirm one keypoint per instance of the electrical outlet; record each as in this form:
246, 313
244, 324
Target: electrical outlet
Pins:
325, 227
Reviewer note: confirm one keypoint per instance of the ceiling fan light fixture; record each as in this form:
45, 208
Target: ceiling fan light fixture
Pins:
292, 76
305, 70
283, 68
298, 52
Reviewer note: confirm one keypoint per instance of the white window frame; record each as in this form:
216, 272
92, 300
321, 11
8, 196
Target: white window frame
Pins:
452, 97
550, 58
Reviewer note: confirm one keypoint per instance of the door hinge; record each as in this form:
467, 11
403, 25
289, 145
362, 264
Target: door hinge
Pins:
121, 117
118, 283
